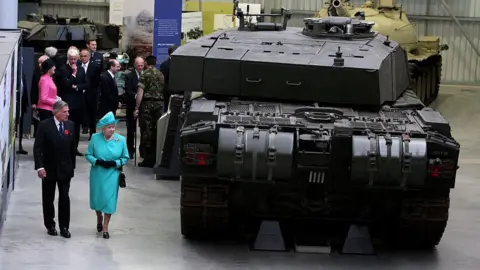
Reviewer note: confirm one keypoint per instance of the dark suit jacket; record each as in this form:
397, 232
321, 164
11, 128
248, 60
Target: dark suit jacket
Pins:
74, 97
34, 88
93, 79
55, 153
165, 69
24, 93
108, 94
131, 85
97, 59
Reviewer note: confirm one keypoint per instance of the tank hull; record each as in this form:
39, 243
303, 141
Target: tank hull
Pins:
316, 187
308, 214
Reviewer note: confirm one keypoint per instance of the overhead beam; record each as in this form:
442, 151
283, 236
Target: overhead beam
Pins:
71, 3
310, 13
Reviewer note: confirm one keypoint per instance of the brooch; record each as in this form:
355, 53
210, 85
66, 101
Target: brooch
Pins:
66, 132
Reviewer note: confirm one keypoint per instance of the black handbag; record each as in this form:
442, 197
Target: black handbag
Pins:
122, 179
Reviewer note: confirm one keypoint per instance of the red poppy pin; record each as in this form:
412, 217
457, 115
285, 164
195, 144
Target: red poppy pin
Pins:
66, 132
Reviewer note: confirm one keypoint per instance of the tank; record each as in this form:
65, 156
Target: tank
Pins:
315, 128
63, 32
424, 53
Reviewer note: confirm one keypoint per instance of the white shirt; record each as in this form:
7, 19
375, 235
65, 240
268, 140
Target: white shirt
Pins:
57, 123
85, 66
111, 74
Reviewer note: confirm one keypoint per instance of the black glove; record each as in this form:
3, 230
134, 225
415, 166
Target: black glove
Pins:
101, 162
110, 163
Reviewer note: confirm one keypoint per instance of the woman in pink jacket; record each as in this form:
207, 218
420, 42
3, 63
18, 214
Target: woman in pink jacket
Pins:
47, 91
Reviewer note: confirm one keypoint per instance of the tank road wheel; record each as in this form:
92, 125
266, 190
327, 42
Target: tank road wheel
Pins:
426, 76
204, 208
423, 219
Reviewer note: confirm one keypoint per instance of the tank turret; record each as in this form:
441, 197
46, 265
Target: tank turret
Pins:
391, 20
334, 60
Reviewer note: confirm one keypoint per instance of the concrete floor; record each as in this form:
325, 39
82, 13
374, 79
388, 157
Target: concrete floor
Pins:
145, 232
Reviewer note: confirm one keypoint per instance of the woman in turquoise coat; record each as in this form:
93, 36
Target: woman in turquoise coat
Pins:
107, 152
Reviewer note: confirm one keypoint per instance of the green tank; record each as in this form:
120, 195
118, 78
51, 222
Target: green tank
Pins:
423, 52
62, 32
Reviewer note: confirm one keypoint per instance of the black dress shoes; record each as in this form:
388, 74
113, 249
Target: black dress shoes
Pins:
79, 154
22, 152
65, 233
99, 227
52, 231
106, 235
146, 164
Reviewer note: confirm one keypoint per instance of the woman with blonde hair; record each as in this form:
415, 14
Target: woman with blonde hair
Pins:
107, 153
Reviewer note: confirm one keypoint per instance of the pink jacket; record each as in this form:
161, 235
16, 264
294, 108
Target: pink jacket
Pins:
47, 95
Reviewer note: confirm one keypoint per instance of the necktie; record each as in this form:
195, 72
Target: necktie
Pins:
85, 67
60, 129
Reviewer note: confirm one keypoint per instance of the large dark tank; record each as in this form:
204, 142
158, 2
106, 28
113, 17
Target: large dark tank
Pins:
315, 128
63, 32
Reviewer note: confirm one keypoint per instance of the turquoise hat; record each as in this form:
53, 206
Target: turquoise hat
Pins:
107, 119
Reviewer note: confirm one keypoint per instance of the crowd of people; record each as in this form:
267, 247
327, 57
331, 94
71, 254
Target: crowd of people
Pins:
67, 93
80, 79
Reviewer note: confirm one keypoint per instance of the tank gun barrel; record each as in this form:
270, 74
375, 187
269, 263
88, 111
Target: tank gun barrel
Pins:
340, 8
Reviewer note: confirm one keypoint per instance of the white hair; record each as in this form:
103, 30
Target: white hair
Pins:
73, 52
51, 51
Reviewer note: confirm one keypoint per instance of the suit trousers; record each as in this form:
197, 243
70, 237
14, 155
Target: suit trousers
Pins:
76, 116
48, 197
131, 124
91, 114
19, 124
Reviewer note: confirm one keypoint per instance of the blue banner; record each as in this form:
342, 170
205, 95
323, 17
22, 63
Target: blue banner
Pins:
167, 30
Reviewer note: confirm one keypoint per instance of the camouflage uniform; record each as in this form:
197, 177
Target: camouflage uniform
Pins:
152, 82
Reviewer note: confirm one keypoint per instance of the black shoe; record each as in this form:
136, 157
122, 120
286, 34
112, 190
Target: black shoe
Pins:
79, 154
106, 235
52, 231
65, 233
22, 152
146, 164
99, 227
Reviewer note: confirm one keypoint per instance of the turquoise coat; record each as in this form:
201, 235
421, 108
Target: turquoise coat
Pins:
104, 182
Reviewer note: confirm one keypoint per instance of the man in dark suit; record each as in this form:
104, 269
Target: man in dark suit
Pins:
24, 105
109, 90
131, 86
72, 86
92, 72
165, 69
54, 154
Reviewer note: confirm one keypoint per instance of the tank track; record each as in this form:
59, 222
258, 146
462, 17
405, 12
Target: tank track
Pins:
423, 220
205, 209
426, 77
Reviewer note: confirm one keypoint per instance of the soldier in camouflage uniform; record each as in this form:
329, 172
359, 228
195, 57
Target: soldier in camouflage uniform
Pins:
149, 109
